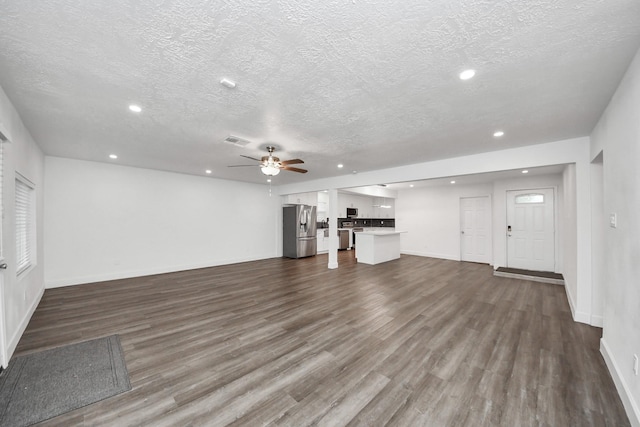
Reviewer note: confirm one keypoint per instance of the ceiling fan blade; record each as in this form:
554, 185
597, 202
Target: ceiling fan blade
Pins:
292, 169
252, 158
242, 166
291, 162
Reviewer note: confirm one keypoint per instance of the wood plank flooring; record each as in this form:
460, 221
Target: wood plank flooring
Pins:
284, 342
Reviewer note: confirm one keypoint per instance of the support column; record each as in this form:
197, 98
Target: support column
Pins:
333, 228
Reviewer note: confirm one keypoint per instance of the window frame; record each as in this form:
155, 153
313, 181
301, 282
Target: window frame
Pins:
529, 199
25, 230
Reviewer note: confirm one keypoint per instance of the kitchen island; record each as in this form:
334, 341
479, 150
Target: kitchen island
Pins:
375, 247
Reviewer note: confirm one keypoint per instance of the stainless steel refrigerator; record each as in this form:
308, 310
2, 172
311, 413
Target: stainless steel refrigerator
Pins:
299, 231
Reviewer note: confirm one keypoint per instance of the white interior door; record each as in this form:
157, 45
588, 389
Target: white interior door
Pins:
475, 233
531, 229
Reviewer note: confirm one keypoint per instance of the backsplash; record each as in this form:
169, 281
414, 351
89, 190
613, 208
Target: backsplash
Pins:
368, 222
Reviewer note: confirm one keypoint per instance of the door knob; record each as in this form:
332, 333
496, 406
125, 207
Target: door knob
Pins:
3, 266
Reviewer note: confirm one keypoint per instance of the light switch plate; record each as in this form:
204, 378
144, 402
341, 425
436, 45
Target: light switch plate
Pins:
613, 220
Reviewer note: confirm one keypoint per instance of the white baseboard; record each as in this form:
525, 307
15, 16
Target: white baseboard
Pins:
582, 317
597, 321
117, 275
578, 316
431, 255
630, 405
12, 344
570, 299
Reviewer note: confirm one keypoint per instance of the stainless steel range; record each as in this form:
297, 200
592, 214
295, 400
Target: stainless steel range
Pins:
353, 230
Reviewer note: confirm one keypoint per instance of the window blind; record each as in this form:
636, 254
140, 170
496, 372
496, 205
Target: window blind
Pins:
24, 226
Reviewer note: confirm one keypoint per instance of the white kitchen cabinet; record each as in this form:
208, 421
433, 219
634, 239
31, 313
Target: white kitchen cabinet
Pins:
323, 206
322, 241
379, 211
310, 199
362, 203
368, 207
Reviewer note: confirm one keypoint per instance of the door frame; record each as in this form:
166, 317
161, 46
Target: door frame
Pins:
556, 224
3, 331
4, 355
489, 221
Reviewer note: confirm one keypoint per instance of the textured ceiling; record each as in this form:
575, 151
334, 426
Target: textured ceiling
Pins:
370, 84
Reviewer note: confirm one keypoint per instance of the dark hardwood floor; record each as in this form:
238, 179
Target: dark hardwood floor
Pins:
283, 342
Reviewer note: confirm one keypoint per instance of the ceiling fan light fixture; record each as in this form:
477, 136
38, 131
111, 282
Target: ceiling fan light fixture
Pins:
270, 169
271, 165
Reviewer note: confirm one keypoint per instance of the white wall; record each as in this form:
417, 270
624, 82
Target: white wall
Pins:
569, 248
19, 296
431, 218
106, 221
617, 134
598, 273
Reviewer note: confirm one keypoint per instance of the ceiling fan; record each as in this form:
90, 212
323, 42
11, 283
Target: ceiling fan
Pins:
272, 165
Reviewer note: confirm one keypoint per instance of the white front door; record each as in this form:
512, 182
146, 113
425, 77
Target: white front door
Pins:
530, 229
475, 229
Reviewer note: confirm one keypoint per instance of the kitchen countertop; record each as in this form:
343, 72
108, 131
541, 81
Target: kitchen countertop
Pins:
380, 232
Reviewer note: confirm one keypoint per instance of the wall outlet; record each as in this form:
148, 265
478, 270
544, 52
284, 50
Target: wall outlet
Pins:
635, 364
613, 220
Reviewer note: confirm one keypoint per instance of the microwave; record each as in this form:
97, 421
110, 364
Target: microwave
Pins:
352, 212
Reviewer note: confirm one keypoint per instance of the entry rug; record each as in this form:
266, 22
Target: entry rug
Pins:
43, 385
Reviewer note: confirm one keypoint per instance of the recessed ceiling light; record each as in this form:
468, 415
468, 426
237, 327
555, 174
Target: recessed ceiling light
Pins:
411, 185
340, 165
113, 156
354, 172
525, 171
228, 83
135, 108
498, 134
453, 182
467, 74
207, 171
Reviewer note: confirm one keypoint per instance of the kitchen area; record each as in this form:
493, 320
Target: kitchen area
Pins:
360, 215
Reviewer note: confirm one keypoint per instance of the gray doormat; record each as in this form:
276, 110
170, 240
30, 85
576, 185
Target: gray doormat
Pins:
43, 385
536, 276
